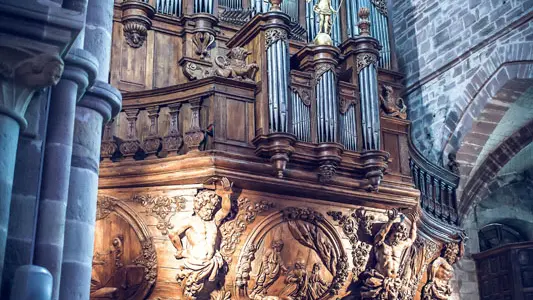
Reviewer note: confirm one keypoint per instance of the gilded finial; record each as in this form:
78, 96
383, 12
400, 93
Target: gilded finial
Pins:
275, 5
364, 23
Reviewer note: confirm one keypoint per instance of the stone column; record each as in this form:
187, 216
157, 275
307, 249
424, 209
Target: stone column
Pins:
21, 74
99, 104
80, 69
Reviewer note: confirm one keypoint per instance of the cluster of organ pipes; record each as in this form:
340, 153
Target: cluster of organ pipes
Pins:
348, 129
278, 69
169, 7
368, 85
231, 4
379, 28
327, 107
204, 6
300, 118
290, 7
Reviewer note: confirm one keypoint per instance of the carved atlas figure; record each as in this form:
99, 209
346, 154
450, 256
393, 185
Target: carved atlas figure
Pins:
201, 261
383, 281
438, 286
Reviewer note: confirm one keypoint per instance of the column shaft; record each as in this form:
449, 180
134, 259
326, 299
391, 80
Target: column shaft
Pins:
9, 135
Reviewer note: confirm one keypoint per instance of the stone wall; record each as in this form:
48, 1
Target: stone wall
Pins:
448, 50
510, 204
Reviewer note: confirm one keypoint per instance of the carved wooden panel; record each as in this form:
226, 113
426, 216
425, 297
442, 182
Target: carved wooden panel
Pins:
124, 261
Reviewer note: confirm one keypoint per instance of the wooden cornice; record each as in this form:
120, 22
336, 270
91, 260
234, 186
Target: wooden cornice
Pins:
254, 173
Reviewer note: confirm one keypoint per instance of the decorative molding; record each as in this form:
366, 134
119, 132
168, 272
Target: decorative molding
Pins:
195, 71
173, 140
136, 20
273, 35
245, 266
163, 208
232, 230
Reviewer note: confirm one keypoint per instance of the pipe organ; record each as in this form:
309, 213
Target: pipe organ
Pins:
262, 153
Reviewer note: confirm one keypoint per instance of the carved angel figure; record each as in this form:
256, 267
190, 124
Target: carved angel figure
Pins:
269, 271
383, 282
201, 261
324, 9
234, 65
392, 106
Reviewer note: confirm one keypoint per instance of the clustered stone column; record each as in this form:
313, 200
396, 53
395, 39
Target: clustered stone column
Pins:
98, 105
19, 79
80, 69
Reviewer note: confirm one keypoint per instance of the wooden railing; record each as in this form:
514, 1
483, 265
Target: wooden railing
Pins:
437, 187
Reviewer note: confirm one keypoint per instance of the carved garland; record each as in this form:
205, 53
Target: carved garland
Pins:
232, 230
272, 35
364, 60
163, 208
148, 260
350, 226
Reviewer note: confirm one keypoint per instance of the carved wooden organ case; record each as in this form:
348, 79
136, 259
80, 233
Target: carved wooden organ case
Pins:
248, 163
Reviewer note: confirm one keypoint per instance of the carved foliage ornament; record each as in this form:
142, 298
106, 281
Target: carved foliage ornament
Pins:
345, 103
104, 206
381, 6
273, 35
148, 259
322, 68
163, 208
364, 60
202, 41
232, 230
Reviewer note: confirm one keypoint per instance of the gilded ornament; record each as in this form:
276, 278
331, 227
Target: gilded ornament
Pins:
325, 12
381, 6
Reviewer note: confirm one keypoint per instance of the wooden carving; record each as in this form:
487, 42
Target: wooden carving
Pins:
163, 208
293, 254
201, 262
438, 286
383, 281
125, 261
234, 65
391, 105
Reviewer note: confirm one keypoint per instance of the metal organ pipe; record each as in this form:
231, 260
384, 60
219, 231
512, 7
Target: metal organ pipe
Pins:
278, 87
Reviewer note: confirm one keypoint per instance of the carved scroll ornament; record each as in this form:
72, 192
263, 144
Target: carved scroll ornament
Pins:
163, 208
272, 35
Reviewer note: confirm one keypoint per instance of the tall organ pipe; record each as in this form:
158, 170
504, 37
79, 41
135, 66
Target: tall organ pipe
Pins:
370, 107
327, 108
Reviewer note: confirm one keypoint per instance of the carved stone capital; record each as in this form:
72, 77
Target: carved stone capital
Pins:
364, 60
136, 21
273, 35
21, 75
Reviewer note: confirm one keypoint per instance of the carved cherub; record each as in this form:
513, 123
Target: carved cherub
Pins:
392, 106
201, 261
392, 240
234, 65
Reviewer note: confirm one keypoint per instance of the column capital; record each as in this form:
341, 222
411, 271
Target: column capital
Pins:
81, 67
22, 73
103, 98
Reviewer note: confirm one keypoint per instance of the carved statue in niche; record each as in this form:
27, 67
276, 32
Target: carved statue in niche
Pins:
391, 105
269, 271
234, 65
292, 247
383, 281
201, 261
440, 274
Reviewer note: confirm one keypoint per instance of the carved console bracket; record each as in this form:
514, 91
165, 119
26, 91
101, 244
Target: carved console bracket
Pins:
329, 157
374, 166
136, 18
276, 146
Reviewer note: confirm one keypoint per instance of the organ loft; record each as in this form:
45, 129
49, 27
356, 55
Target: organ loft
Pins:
221, 149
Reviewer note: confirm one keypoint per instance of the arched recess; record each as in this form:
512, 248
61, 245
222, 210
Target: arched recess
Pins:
313, 232
125, 259
506, 63
477, 187
496, 235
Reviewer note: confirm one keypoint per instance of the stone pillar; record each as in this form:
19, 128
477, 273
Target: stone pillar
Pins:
99, 104
21, 74
98, 33
80, 69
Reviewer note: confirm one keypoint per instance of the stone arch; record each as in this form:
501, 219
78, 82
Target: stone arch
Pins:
270, 223
478, 185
